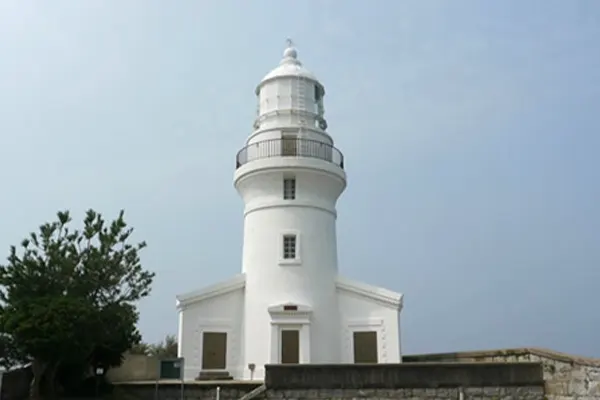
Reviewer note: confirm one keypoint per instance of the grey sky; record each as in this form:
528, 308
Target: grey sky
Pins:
470, 131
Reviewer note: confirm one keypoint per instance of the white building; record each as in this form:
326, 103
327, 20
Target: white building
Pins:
289, 304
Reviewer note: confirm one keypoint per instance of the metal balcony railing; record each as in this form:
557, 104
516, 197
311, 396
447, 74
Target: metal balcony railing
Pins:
293, 147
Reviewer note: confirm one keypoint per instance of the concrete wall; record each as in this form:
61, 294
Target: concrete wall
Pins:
439, 381
16, 383
567, 377
135, 367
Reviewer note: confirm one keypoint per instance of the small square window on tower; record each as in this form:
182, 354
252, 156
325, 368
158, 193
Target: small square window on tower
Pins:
289, 247
289, 188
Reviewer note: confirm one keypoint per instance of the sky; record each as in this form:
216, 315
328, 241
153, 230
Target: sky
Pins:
470, 131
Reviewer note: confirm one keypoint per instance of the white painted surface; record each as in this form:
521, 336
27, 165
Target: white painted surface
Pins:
251, 307
218, 308
367, 308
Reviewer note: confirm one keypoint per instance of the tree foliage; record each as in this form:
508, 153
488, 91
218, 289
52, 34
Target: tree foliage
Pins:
164, 349
10, 355
68, 297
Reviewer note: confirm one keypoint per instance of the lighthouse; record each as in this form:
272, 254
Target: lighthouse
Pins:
289, 304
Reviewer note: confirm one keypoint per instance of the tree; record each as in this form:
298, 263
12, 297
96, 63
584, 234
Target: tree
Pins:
141, 348
163, 349
166, 348
10, 355
69, 297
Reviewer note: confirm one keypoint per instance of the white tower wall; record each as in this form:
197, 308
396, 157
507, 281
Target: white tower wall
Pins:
309, 280
289, 176
288, 111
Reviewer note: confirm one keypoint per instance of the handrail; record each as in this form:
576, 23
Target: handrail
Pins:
292, 147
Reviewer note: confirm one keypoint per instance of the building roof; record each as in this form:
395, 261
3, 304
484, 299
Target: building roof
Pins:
383, 296
236, 283
289, 65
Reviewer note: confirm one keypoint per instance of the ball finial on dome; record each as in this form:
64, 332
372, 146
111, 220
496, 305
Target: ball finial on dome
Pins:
290, 50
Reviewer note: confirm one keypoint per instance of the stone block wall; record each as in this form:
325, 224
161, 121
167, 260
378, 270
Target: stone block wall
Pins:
566, 377
232, 392
435, 381
191, 391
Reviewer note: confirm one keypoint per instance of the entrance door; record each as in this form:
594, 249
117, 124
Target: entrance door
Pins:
289, 145
365, 347
214, 350
290, 346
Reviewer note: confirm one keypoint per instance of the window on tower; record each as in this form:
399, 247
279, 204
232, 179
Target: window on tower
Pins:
289, 188
289, 247
318, 93
319, 109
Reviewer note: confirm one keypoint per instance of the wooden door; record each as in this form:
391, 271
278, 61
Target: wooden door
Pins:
214, 350
289, 144
290, 346
365, 347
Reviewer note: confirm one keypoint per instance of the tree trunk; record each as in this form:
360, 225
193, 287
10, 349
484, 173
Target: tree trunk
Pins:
50, 380
38, 368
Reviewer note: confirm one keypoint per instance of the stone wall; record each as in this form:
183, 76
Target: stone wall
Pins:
567, 377
439, 381
170, 390
135, 367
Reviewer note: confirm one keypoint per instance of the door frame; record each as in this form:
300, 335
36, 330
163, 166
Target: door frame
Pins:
289, 145
215, 325
354, 342
290, 327
282, 318
363, 325
205, 331
293, 136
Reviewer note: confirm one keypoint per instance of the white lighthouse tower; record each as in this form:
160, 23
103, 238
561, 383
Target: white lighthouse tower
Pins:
289, 304
290, 177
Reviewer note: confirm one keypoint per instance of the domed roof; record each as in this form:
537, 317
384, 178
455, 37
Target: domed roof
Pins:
289, 66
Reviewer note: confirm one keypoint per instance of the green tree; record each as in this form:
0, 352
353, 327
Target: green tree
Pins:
164, 349
69, 297
141, 348
10, 356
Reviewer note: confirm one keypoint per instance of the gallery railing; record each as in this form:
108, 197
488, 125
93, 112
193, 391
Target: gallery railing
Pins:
283, 147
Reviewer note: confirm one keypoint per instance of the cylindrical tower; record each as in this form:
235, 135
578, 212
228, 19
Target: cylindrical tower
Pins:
290, 177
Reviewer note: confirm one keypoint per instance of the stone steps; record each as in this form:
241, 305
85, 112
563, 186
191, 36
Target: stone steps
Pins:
214, 376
